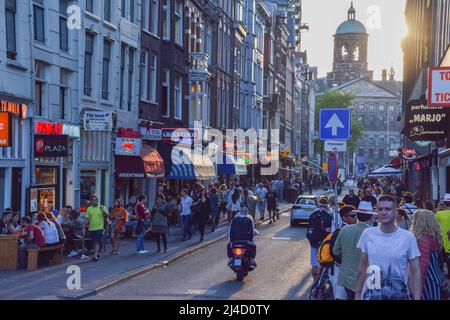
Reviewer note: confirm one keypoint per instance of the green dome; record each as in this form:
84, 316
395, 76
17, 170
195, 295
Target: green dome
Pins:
351, 26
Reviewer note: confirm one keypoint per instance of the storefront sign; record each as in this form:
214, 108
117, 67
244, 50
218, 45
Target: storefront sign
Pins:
57, 128
425, 123
97, 121
409, 154
5, 129
71, 130
182, 133
150, 133
128, 146
18, 109
50, 145
439, 87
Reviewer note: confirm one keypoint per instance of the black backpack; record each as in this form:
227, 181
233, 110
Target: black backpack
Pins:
316, 231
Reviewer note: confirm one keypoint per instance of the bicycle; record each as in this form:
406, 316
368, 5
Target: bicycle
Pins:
322, 288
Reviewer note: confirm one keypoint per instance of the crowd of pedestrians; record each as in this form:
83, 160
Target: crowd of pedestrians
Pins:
387, 247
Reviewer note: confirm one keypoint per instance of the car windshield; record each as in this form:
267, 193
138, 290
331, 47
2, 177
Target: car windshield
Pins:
309, 202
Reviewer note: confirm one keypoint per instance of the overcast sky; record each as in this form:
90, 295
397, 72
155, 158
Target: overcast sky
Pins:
324, 16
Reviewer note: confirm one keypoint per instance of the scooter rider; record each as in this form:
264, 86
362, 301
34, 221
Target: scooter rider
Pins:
242, 229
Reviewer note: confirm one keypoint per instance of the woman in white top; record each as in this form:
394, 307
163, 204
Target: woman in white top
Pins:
49, 229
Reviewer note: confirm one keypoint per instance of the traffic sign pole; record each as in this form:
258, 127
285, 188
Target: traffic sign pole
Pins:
333, 177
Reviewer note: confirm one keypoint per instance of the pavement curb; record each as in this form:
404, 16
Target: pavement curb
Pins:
140, 271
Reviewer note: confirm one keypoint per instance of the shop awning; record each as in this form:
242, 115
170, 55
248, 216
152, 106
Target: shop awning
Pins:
385, 171
231, 166
150, 164
153, 162
190, 166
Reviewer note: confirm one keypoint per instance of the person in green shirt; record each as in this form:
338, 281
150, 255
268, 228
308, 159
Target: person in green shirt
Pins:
443, 217
345, 248
95, 219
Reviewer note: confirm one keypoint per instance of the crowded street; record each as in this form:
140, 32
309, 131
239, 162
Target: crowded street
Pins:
241, 150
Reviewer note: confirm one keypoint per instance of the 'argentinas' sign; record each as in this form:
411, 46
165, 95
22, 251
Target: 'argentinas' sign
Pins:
424, 123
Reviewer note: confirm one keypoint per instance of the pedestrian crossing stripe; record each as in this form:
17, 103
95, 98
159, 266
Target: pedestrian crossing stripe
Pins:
281, 238
200, 292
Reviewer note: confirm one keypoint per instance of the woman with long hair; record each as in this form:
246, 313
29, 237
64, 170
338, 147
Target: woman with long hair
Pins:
427, 231
236, 200
204, 211
119, 217
50, 232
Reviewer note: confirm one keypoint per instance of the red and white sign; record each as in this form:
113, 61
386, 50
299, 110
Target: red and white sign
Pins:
409, 154
439, 87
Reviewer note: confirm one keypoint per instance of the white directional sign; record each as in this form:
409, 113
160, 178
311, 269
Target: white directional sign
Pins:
340, 146
334, 123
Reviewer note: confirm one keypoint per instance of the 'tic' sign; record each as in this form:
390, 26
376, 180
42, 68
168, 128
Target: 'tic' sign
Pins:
439, 87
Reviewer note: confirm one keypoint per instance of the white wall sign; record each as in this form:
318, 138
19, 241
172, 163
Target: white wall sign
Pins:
97, 121
150, 133
439, 87
128, 146
340, 146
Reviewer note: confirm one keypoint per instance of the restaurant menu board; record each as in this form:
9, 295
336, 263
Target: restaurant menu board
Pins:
33, 199
97, 121
5, 129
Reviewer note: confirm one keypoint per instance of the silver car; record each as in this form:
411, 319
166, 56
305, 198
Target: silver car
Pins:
302, 209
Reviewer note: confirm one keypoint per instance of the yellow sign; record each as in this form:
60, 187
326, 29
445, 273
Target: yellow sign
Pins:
325, 166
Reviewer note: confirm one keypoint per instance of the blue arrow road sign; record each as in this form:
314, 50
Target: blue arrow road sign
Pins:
334, 124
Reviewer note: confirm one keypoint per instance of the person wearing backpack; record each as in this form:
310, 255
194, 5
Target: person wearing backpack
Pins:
345, 250
319, 227
348, 217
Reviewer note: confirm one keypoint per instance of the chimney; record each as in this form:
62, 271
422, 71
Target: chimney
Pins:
384, 75
392, 74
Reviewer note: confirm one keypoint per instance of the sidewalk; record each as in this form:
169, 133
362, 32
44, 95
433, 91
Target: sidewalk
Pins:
50, 282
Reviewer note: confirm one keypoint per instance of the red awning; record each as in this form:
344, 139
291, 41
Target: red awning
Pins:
150, 164
395, 162
153, 162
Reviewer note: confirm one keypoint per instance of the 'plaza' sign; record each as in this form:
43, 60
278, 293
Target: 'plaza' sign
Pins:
50, 145
439, 87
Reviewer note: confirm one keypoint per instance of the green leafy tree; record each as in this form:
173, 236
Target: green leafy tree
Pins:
337, 99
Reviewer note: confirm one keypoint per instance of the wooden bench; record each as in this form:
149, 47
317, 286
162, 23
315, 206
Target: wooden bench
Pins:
34, 253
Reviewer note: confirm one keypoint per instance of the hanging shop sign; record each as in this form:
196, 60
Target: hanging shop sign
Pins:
179, 134
5, 129
439, 87
97, 121
150, 133
128, 146
425, 123
409, 154
50, 145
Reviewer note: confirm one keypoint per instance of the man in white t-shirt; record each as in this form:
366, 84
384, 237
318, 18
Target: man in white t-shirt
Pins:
186, 214
389, 257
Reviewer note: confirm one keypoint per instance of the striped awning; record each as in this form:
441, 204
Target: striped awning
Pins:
189, 166
149, 164
232, 165
153, 162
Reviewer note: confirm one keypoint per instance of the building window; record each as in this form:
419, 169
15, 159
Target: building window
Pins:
63, 94
361, 152
381, 154
177, 97
153, 73
381, 107
131, 12
179, 22
144, 75
107, 10
38, 98
63, 31
370, 153
130, 77
372, 141
165, 82
10, 17
90, 6
391, 108
88, 55
106, 67
361, 107
371, 107
38, 14
123, 8
62, 102
145, 15
39, 87
123, 51
166, 20
154, 17
381, 141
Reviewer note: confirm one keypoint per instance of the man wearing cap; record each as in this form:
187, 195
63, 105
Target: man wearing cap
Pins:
345, 247
320, 223
389, 265
443, 217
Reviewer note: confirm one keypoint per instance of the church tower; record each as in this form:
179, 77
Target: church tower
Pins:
350, 51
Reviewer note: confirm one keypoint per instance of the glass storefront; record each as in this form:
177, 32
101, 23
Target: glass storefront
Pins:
88, 186
47, 185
